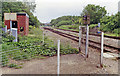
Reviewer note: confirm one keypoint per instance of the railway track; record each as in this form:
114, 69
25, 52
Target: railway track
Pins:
113, 37
92, 43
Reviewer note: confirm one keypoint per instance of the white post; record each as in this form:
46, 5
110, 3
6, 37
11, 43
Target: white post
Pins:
5, 28
102, 44
80, 38
58, 58
10, 27
87, 38
14, 33
98, 24
0, 70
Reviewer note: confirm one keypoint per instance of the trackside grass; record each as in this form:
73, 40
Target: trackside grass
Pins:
30, 47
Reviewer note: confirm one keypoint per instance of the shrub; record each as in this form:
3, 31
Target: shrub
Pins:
116, 31
18, 67
30, 27
12, 65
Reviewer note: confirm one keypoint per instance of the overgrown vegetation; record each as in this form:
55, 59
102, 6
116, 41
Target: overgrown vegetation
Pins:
30, 47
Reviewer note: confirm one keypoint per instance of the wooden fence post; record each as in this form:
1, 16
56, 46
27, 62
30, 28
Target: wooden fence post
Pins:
80, 38
102, 44
87, 38
58, 58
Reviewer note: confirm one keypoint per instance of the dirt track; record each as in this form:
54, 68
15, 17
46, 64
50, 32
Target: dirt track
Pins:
69, 64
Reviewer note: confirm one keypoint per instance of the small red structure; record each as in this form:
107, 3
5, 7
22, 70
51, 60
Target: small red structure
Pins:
19, 21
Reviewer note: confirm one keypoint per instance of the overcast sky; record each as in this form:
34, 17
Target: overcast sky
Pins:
46, 10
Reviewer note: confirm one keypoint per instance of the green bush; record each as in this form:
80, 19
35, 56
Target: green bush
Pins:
30, 27
12, 65
110, 24
93, 25
117, 31
18, 67
3, 25
69, 50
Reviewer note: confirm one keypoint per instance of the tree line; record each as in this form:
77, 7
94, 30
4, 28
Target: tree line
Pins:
20, 7
66, 20
97, 14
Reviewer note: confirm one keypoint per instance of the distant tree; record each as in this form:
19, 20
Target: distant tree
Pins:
95, 12
30, 5
111, 23
66, 20
14, 7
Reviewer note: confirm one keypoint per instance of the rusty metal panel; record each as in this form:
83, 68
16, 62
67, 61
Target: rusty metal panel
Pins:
10, 16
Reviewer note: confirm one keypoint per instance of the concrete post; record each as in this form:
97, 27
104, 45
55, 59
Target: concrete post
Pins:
5, 28
58, 58
102, 44
98, 24
10, 27
87, 38
14, 33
